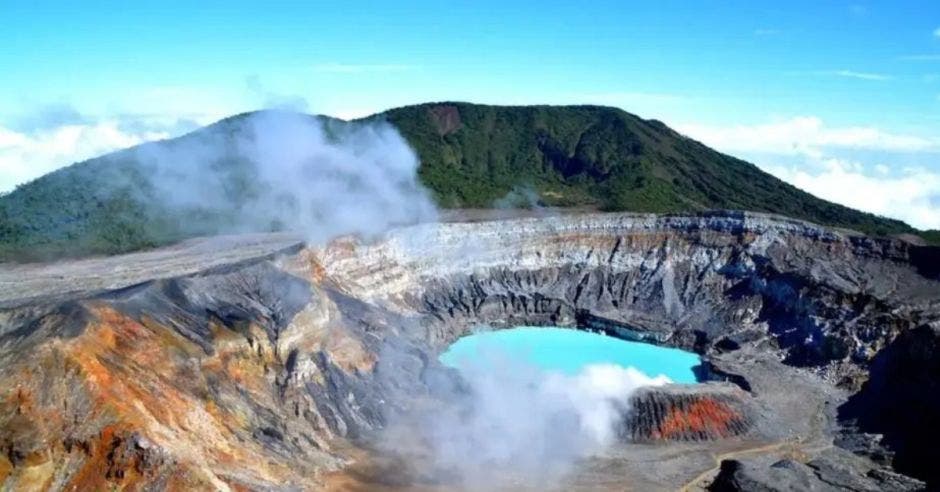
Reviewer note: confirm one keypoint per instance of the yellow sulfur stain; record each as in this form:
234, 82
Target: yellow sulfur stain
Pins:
5, 468
37, 477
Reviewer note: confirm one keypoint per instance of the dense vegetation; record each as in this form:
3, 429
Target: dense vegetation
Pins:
931, 236
472, 156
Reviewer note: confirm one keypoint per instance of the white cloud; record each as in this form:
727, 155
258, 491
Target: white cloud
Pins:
53, 136
910, 194
28, 155
805, 135
936, 32
362, 68
849, 74
858, 75
352, 113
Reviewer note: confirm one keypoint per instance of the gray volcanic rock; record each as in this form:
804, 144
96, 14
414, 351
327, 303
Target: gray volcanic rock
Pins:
823, 297
784, 475
279, 365
833, 471
901, 402
45, 282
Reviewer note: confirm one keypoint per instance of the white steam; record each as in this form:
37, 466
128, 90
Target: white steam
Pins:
600, 394
289, 171
280, 170
526, 425
525, 197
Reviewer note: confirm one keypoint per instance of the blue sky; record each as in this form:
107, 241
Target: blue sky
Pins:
840, 98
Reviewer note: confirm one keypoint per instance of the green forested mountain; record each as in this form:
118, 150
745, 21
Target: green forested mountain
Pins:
578, 155
471, 156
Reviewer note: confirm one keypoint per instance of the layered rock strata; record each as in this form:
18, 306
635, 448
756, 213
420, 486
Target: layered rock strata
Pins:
265, 371
688, 413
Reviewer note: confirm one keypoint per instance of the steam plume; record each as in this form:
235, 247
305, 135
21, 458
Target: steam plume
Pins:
515, 424
289, 171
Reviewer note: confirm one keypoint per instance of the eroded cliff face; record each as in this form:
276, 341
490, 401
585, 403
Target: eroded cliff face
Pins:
901, 401
269, 371
827, 299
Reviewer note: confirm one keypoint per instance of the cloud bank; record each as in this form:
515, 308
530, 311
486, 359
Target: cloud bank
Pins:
803, 135
29, 153
56, 135
861, 167
912, 195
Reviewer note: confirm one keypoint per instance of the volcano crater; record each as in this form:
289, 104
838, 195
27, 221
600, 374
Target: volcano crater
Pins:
295, 362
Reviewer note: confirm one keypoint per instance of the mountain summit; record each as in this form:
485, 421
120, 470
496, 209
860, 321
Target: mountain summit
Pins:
471, 155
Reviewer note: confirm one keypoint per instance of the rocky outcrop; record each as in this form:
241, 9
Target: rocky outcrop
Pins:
446, 119
688, 413
834, 471
899, 403
264, 371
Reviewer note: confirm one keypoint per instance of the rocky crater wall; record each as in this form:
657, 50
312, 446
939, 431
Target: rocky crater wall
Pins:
262, 372
825, 298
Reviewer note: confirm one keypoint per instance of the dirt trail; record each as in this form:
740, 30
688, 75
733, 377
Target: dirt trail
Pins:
788, 448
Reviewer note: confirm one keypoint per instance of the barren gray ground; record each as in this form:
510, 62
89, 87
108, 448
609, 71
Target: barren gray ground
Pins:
21, 283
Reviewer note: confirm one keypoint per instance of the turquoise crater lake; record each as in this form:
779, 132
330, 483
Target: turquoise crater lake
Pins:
569, 351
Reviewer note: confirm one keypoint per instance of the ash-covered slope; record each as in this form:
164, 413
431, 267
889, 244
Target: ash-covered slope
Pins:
292, 370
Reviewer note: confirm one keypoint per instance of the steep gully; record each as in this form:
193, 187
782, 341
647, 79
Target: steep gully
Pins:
279, 367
